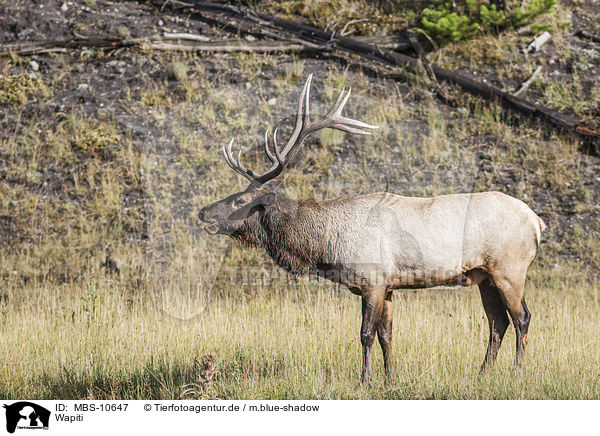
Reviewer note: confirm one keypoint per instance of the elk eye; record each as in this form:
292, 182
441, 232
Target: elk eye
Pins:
240, 202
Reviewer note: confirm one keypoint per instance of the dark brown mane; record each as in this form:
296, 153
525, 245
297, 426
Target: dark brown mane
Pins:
290, 241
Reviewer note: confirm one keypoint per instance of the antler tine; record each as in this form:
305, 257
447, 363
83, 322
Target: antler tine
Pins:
267, 151
236, 166
356, 123
335, 120
343, 123
337, 103
248, 173
228, 156
299, 127
306, 119
241, 166
275, 146
349, 129
339, 106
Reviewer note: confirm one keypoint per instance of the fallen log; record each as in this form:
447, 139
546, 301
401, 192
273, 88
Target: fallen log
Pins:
186, 36
304, 31
158, 43
61, 45
538, 42
587, 35
234, 46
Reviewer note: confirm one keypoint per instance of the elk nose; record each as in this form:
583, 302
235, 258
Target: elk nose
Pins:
201, 214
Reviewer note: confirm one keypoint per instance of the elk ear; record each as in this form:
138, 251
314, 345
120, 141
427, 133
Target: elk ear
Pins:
250, 208
267, 199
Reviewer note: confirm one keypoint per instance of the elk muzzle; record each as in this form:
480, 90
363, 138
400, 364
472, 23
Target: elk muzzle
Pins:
211, 227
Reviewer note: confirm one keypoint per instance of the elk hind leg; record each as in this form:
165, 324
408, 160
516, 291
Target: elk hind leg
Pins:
497, 319
521, 321
384, 334
511, 291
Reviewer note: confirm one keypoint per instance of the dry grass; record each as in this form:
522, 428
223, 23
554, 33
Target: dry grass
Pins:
290, 341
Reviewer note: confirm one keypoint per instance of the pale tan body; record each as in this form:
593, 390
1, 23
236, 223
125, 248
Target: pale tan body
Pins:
407, 242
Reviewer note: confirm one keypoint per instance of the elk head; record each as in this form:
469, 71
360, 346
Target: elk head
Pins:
228, 215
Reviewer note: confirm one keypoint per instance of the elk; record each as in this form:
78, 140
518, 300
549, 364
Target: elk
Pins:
379, 242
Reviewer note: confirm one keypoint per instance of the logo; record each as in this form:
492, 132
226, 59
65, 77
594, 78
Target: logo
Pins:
26, 415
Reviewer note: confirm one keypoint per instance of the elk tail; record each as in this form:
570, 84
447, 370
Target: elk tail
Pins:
540, 228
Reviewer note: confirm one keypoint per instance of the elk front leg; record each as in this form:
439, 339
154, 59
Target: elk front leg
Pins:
384, 334
372, 306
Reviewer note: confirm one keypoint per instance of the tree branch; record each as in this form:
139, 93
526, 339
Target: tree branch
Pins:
162, 43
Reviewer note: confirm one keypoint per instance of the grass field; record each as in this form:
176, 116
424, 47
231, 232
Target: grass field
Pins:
291, 342
112, 157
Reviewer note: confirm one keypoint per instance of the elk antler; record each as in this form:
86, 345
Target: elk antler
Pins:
303, 128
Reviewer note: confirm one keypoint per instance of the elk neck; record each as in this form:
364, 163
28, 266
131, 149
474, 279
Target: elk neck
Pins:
291, 231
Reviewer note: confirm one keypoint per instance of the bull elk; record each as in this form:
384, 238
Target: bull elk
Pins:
378, 242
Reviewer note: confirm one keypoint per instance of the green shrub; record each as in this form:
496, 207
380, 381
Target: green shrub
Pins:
92, 137
519, 17
16, 89
442, 24
445, 23
491, 18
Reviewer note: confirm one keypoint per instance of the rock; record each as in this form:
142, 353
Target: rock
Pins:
538, 42
25, 33
120, 66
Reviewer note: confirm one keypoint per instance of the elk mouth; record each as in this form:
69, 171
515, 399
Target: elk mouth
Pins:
211, 228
